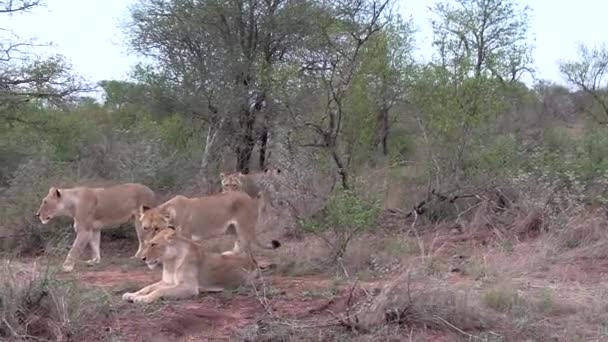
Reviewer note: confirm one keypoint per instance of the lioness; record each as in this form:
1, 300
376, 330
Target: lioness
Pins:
207, 216
248, 183
253, 184
94, 209
189, 269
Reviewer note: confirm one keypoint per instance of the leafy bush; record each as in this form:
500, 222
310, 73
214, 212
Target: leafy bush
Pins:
344, 217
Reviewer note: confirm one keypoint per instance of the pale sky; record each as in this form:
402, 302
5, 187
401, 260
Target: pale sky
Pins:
87, 32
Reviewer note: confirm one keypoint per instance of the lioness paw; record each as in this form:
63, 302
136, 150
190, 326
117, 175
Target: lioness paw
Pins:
67, 268
143, 299
92, 262
128, 296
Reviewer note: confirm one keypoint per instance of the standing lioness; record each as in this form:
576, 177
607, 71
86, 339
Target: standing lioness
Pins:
208, 216
189, 269
94, 209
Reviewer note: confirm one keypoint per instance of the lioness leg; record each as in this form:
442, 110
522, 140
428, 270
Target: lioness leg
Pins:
83, 237
235, 250
128, 296
94, 243
139, 233
168, 291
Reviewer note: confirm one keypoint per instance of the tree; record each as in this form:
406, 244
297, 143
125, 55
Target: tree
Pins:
28, 80
384, 75
482, 51
332, 61
590, 75
221, 54
483, 37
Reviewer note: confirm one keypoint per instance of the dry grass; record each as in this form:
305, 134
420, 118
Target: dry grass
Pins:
36, 305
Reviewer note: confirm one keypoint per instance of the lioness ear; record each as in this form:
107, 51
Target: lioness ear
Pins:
143, 208
170, 238
169, 214
55, 192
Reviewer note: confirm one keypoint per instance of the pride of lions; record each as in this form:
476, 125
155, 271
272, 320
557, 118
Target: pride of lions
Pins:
167, 233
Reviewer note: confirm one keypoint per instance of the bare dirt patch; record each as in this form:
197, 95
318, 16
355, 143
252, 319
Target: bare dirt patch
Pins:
209, 316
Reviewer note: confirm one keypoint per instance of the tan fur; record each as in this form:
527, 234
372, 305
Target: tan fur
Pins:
207, 217
248, 183
189, 269
245, 182
94, 209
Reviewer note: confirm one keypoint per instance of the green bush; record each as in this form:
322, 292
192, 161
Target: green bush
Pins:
344, 210
343, 218
499, 157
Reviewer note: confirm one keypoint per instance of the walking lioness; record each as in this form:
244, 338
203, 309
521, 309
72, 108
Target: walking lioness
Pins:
189, 269
208, 216
94, 209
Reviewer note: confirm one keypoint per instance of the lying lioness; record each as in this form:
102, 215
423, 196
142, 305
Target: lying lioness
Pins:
208, 216
189, 269
94, 209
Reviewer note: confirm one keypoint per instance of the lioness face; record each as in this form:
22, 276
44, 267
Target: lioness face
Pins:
160, 247
231, 182
234, 182
152, 221
51, 206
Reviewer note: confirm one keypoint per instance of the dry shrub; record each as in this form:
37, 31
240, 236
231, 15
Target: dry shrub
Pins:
305, 257
35, 304
585, 235
424, 302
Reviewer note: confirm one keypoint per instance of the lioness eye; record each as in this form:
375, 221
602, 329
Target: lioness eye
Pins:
152, 245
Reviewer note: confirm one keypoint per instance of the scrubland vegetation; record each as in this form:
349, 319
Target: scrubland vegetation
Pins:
438, 200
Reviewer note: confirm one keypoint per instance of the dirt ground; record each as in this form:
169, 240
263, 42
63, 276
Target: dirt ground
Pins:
528, 287
207, 317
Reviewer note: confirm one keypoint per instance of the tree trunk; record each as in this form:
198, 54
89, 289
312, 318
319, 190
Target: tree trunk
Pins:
263, 147
341, 169
210, 160
246, 143
381, 134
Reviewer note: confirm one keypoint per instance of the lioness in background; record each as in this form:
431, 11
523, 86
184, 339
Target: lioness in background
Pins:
248, 183
207, 216
94, 209
189, 269
253, 184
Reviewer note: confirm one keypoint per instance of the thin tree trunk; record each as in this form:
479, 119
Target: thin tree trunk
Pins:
246, 144
381, 134
341, 169
263, 147
210, 159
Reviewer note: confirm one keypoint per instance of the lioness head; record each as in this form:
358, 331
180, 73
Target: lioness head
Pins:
235, 181
160, 247
52, 205
232, 182
153, 220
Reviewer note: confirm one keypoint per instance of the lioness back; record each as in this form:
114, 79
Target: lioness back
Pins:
121, 201
207, 217
214, 211
226, 270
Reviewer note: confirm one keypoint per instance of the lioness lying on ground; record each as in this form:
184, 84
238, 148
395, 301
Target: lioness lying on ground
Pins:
189, 269
94, 209
208, 216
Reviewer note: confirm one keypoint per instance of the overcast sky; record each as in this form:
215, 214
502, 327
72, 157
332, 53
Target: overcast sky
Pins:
87, 32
